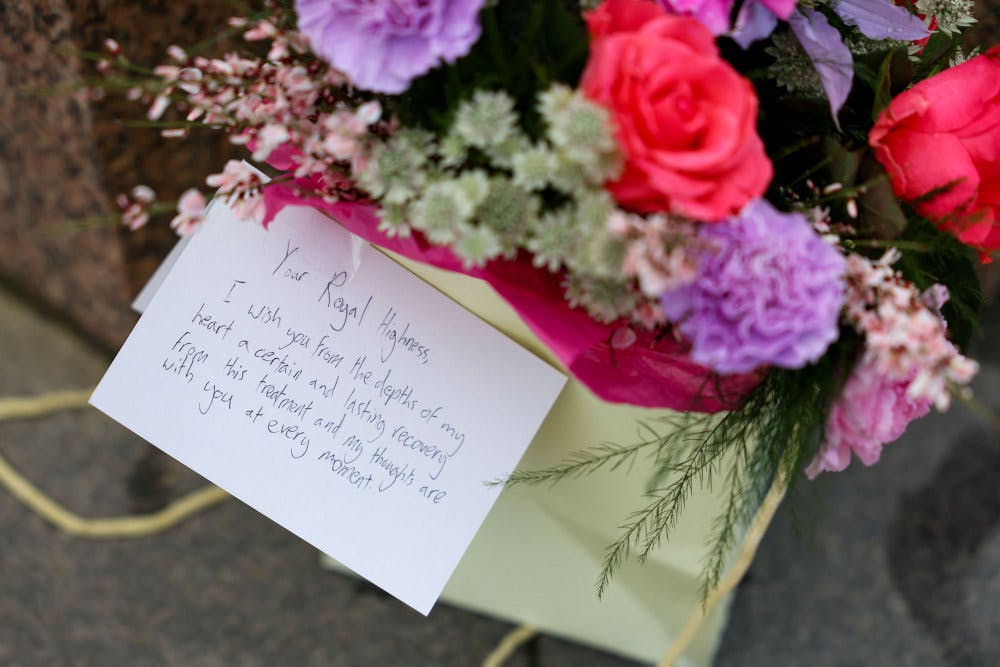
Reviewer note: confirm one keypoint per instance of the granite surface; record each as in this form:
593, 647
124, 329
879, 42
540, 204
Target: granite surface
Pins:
898, 564
48, 175
63, 159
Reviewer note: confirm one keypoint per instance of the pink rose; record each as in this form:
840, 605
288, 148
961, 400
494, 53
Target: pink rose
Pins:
872, 411
685, 120
940, 143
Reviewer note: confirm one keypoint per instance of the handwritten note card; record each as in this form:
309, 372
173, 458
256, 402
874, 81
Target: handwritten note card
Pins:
330, 389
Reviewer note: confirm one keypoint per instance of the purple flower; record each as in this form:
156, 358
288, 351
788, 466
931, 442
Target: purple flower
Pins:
830, 56
881, 19
382, 45
756, 19
872, 411
876, 19
713, 14
768, 293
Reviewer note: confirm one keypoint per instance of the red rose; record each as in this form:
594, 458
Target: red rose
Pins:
940, 143
685, 120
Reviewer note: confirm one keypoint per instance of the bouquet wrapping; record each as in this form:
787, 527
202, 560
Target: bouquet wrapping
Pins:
761, 218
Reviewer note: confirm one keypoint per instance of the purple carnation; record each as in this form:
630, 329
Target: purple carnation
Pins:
768, 293
383, 45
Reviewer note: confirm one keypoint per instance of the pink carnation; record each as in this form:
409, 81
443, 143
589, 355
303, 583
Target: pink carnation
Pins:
872, 411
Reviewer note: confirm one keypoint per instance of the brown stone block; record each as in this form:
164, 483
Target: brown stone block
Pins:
63, 159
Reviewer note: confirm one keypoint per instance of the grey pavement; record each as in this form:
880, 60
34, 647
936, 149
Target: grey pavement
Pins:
892, 565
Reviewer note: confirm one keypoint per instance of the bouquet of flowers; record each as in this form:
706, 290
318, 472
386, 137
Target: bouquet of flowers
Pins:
763, 215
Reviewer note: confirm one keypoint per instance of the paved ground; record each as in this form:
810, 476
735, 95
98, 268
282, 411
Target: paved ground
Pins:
901, 568
903, 564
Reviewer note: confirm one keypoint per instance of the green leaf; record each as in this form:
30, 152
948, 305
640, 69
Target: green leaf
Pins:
524, 48
844, 163
894, 68
952, 264
880, 214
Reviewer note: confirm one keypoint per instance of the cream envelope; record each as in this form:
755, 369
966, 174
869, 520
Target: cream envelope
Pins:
536, 558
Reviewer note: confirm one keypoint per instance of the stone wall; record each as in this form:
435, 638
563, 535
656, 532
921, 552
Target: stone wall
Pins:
63, 159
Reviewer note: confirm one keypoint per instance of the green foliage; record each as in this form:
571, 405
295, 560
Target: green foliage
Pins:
936, 55
894, 72
525, 47
951, 263
777, 428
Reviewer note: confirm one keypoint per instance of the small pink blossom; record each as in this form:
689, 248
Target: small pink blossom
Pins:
190, 212
159, 105
235, 176
242, 189
649, 315
905, 336
659, 250
136, 205
260, 30
268, 138
143, 194
287, 102
168, 73
623, 338
177, 53
250, 208
369, 113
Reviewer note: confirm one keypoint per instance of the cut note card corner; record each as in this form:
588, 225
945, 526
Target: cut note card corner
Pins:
327, 387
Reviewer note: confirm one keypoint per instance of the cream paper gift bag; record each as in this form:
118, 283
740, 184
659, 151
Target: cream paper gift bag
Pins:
536, 558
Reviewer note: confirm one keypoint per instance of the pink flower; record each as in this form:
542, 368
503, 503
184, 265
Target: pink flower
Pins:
685, 120
242, 189
268, 138
135, 206
939, 141
190, 213
236, 176
872, 411
661, 252
905, 336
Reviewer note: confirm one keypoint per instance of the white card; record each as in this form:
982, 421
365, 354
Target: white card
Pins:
330, 389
